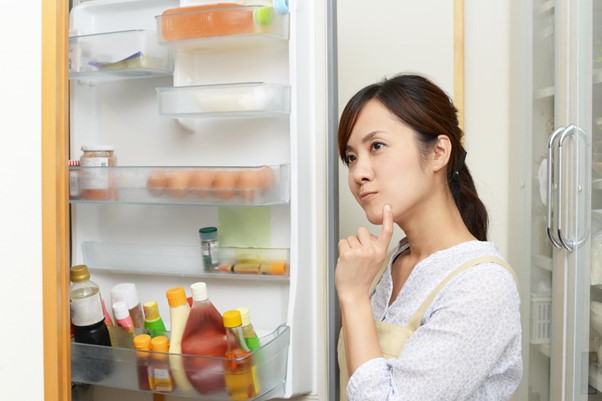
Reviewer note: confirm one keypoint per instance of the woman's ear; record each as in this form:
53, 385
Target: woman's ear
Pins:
441, 153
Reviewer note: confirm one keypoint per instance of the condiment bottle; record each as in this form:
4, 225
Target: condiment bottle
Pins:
97, 183
128, 293
88, 321
122, 317
204, 335
240, 372
142, 344
178, 315
249, 334
87, 314
160, 376
152, 319
209, 245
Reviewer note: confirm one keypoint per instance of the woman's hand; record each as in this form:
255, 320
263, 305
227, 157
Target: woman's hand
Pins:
360, 258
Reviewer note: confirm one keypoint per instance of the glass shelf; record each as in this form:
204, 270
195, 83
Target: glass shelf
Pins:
252, 99
118, 55
122, 367
227, 27
186, 261
208, 186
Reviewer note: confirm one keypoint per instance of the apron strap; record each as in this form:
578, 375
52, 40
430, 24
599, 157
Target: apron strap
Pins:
414, 321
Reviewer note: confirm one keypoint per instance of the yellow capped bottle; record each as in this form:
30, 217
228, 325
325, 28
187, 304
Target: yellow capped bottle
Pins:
240, 372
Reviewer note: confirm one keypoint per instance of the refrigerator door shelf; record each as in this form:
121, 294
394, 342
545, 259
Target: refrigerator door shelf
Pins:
120, 367
185, 261
118, 55
205, 186
229, 27
249, 99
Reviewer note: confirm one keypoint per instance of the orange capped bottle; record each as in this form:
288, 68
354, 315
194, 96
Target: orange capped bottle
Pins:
178, 316
160, 377
204, 335
142, 346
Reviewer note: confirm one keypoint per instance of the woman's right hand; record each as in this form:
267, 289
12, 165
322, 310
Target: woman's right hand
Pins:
360, 258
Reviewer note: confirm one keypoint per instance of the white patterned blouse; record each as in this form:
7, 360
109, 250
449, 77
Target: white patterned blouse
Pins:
468, 346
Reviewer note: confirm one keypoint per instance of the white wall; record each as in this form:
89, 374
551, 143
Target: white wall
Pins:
21, 363
418, 36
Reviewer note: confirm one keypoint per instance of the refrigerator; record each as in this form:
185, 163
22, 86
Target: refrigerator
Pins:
244, 88
556, 184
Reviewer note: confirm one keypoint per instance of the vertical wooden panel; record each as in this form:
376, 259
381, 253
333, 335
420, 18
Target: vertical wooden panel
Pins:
459, 59
55, 244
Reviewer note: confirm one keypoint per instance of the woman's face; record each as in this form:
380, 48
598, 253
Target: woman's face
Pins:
384, 164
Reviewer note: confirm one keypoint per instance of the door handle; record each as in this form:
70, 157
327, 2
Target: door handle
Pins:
550, 183
568, 243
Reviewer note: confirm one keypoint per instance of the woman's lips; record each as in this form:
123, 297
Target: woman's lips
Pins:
366, 196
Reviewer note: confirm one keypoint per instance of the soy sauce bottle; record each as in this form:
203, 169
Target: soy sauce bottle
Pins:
88, 319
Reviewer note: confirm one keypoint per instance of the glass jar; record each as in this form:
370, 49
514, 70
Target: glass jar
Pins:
209, 247
97, 183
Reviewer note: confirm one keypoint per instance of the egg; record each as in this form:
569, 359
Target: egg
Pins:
224, 183
248, 183
177, 183
157, 182
200, 183
267, 177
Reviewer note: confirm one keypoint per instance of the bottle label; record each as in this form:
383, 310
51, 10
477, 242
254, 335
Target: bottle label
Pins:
210, 257
161, 380
94, 179
86, 311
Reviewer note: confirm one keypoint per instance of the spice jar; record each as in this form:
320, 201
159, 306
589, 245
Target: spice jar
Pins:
209, 247
96, 182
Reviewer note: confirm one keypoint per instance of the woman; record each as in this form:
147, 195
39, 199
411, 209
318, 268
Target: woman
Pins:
443, 322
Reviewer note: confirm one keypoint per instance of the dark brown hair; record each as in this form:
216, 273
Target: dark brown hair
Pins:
424, 107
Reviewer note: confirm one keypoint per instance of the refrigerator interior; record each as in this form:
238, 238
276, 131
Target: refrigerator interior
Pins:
234, 103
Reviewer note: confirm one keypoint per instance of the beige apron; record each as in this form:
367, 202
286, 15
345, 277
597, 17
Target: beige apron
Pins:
392, 338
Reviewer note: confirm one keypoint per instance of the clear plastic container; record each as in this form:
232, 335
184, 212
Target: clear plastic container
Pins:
215, 186
118, 55
270, 360
220, 26
183, 261
249, 99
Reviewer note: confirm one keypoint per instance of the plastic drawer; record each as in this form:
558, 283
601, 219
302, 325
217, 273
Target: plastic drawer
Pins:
252, 99
120, 367
118, 55
211, 186
229, 26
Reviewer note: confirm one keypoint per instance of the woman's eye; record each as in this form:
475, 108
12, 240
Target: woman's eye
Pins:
349, 158
377, 145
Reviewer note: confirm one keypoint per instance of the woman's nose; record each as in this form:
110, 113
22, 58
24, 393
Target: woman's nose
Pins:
361, 171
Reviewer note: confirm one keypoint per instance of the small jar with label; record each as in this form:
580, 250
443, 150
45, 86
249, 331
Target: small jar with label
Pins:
209, 246
97, 182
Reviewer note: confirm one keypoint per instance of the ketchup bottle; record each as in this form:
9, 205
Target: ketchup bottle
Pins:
204, 335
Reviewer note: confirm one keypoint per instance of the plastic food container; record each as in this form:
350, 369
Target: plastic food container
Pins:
118, 55
184, 24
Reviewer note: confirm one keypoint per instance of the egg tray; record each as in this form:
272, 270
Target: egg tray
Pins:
237, 186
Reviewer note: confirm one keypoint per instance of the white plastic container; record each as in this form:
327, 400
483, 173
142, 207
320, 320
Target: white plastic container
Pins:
541, 318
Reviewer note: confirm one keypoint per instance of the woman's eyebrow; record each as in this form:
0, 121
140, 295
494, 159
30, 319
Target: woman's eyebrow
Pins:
366, 138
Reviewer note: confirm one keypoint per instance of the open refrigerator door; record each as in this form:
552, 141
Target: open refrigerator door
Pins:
187, 116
